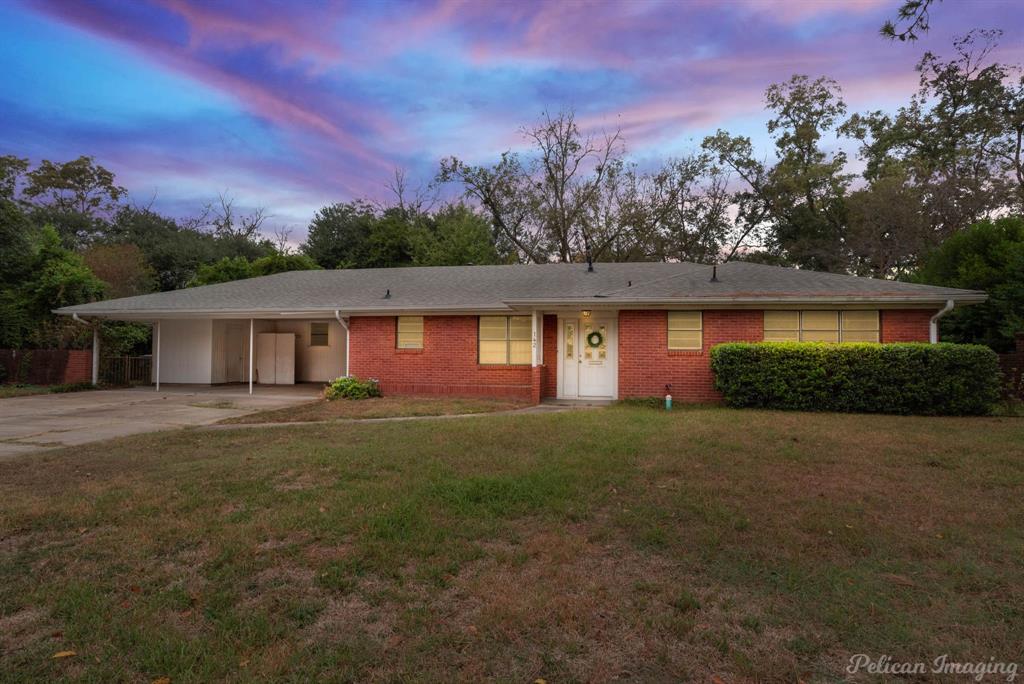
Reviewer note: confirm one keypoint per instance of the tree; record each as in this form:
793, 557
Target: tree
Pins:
887, 229
223, 271
958, 140
540, 208
912, 17
78, 197
454, 236
796, 205
988, 256
122, 267
12, 170
282, 263
338, 233
240, 268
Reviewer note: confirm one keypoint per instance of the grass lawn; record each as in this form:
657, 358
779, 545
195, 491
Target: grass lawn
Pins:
383, 407
590, 545
23, 390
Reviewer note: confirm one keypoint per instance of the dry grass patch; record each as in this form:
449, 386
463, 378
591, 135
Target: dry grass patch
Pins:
381, 407
579, 546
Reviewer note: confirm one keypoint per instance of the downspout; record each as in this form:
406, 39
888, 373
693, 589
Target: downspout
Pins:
344, 324
933, 328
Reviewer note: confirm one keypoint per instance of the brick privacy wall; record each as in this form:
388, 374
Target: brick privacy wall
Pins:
79, 366
47, 366
906, 325
549, 371
446, 365
646, 364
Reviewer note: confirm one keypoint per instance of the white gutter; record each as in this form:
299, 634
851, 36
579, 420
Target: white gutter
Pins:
344, 324
933, 327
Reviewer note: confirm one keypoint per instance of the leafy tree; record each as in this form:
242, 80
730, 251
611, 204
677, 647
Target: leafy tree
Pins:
281, 263
12, 169
78, 197
223, 271
988, 256
174, 251
338, 234
454, 236
958, 138
59, 277
122, 267
540, 206
887, 229
795, 205
239, 268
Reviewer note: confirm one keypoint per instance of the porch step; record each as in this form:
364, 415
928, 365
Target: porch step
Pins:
577, 403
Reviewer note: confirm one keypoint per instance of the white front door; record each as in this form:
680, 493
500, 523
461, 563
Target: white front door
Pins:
588, 358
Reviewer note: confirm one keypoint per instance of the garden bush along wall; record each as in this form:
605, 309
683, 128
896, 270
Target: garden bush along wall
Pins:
906, 378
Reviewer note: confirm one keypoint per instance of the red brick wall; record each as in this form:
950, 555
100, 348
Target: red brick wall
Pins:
549, 372
447, 364
79, 366
646, 364
906, 325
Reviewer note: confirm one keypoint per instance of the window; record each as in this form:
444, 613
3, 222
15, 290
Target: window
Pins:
685, 330
782, 326
505, 340
410, 332
318, 334
860, 326
821, 326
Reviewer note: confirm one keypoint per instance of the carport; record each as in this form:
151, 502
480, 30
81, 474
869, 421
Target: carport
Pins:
289, 348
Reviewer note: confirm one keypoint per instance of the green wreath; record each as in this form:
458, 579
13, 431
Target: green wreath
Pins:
595, 339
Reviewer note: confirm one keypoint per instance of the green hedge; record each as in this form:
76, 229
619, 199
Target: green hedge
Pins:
920, 379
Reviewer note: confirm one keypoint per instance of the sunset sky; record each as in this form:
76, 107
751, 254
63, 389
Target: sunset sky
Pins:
291, 105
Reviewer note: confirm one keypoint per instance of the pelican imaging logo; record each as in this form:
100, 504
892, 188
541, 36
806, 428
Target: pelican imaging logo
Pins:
941, 665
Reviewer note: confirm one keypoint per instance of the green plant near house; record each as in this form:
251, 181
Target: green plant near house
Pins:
919, 379
352, 388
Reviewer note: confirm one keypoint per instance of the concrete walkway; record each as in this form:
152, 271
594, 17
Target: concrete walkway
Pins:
47, 421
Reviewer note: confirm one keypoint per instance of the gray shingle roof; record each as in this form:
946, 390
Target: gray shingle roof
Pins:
480, 288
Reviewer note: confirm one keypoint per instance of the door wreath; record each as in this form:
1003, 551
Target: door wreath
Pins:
595, 339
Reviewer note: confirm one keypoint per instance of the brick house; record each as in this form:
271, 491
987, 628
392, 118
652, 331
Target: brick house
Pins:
533, 331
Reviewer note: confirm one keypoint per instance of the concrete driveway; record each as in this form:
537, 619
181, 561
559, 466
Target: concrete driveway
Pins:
47, 421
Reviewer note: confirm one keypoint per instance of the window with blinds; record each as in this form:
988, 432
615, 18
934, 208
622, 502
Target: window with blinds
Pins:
685, 330
821, 326
505, 340
410, 332
318, 334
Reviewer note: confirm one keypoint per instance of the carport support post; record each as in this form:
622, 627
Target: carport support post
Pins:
250, 355
96, 355
156, 356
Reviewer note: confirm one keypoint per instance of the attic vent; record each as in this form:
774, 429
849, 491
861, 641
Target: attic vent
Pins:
714, 273
387, 295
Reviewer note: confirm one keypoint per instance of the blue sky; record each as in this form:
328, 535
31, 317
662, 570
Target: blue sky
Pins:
292, 105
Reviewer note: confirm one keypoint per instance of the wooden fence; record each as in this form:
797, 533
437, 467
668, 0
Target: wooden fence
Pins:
1013, 369
126, 370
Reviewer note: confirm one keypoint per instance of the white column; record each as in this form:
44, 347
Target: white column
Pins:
348, 339
534, 341
156, 356
96, 355
250, 354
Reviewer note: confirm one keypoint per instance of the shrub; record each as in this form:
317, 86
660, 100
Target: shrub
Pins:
920, 379
71, 387
351, 388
